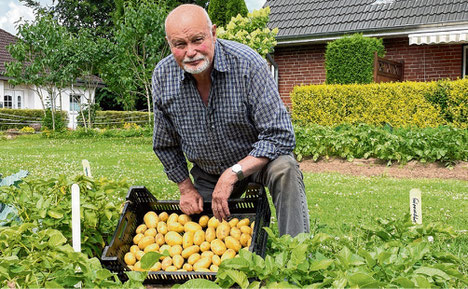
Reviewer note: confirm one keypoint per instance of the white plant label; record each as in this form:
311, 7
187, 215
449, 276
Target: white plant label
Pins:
86, 168
415, 206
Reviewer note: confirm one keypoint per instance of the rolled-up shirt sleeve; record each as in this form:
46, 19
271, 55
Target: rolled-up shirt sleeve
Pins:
166, 141
276, 133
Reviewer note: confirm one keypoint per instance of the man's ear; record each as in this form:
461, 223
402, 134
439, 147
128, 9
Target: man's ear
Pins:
213, 32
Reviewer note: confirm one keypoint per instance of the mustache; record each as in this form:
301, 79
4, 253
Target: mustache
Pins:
196, 58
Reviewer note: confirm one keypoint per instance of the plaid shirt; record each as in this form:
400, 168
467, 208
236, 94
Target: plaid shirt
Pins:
244, 115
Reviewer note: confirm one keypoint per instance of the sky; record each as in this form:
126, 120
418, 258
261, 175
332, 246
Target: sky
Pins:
12, 10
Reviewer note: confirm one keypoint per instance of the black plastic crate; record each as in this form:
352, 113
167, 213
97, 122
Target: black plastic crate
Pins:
254, 205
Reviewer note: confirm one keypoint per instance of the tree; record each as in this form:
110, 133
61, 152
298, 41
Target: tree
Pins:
41, 60
252, 31
138, 45
221, 11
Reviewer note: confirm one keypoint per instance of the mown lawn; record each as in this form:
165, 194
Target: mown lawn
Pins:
337, 203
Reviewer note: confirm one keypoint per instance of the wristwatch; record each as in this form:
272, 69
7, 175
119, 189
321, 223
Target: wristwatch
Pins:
237, 169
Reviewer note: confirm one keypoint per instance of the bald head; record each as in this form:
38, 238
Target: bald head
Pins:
184, 13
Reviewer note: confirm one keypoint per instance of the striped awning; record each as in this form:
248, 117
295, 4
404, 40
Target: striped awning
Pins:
455, 36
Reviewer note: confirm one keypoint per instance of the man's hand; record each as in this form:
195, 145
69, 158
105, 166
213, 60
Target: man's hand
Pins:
191, 202
221, 193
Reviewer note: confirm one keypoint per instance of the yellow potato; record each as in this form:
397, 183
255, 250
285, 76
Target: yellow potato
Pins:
203, 263
244, 239
187, 240
210, 234
171, 269
139, 255
199, 237
164, 248
229, 254
162, 228
208, 254
205, 246
214, 268
203, 221
222, 231
232, 243
187, 267
145, 241
193, 258
218, 247
213, 223
175, 226
152, 248
235, 232
192, 227
129, 258
216, 260
233, 222
141, 229
183, 219
137, 266
173, 238
190, 251
137, 238
246, 230
243, 222
167, 261
150, 232
178, 261
156, 267
163, 216
151, 219
172, 218
159, 239
175, 250
134, 249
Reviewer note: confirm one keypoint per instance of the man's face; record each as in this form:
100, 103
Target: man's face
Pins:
192, 42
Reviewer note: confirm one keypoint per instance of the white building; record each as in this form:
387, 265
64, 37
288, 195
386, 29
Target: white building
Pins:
27, 97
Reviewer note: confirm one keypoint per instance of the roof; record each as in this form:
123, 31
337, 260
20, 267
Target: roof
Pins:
315, 18
5, 39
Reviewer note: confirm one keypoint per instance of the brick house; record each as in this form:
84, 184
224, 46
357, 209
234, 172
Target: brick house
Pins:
430, 36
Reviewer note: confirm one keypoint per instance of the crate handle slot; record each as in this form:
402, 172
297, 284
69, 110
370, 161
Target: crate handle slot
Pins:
124, 227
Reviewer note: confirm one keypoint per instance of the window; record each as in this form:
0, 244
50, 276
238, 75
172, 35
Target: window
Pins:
8, 101
75, 102
18, 102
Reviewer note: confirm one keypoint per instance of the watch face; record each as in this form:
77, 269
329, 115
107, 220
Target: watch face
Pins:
236, 168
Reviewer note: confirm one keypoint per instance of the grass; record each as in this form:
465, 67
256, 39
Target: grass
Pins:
337, 203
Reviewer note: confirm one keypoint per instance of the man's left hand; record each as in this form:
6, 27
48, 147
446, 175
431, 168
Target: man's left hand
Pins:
221, 193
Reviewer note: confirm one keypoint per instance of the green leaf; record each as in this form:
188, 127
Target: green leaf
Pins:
320, 265
239, 277
199, 283
137, 275
404, 282
54, 214
56, 239
103, 274
363, 280
149, 259
431, 272
52, 284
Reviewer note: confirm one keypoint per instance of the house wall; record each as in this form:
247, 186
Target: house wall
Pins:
306, 64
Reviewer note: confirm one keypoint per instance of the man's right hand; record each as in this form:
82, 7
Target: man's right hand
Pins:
191, 202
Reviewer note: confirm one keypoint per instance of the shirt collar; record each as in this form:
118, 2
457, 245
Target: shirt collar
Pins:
220, 61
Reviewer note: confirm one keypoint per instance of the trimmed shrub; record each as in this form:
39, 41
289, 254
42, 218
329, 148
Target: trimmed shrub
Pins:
19, 118
60, 117
398, 104
350, 59
117, 119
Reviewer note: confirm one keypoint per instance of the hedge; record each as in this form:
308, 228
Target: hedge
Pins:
19, 118
403, 104
117, 119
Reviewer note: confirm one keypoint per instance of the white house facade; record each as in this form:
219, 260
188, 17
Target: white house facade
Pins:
26, 97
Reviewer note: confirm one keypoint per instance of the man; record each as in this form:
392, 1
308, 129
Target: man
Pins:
216, 103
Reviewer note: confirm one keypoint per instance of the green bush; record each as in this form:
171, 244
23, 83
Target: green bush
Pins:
350, 59
402, 104
61, 119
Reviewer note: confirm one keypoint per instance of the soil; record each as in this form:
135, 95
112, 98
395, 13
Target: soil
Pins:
375, 167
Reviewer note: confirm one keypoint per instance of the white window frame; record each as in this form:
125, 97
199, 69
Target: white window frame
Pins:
10, 101
465, 61
75, 102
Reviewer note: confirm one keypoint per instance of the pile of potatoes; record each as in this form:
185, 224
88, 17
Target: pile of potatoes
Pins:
192, 246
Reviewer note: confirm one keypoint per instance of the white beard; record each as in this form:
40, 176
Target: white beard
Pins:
202, 66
